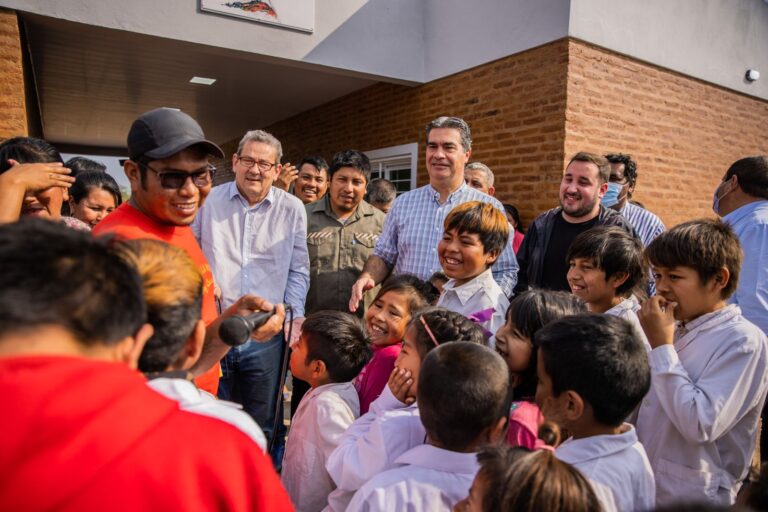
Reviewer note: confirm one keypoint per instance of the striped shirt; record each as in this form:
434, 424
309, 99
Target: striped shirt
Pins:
647, 225
415, 225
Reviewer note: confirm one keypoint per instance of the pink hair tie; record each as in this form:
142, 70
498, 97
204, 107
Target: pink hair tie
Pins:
429, 331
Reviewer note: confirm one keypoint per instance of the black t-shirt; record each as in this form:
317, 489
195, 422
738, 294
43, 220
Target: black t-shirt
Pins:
555, 267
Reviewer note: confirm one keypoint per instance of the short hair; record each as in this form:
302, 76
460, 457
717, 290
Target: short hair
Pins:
446, 326
173, 291
478, 166
456, 123
339, 340
705, 245
482, 219
27, 150
420, 293
264, 137
752, 173
80, 164
381, 191
612, 250
515, 214
540, 481
630, 166
89, 180
603, 166
351, 158
529, 312
463, 390
601, 358
317, 161
53, 275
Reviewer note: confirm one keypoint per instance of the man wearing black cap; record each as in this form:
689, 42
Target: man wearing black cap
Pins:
170, 178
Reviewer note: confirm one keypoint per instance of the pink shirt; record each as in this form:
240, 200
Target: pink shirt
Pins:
374, 376
524, 421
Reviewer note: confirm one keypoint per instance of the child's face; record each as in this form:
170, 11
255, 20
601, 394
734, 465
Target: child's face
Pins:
463, 256
683, 285
474, 502
299, 367
589, 284
409, 358
514, 347
552, 407
387, 318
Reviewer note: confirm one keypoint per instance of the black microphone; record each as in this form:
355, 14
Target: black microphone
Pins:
236, 330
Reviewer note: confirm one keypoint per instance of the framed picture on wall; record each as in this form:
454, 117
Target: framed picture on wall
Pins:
295, 14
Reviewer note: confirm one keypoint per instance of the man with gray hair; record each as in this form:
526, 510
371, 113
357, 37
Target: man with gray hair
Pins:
414, 225
255, 237
479, 176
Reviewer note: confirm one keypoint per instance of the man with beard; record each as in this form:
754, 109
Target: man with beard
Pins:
542, 255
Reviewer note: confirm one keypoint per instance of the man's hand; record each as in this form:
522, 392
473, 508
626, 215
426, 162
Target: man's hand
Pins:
287, 176
36, 177
248, 304
401, 385
364, 283
657, 317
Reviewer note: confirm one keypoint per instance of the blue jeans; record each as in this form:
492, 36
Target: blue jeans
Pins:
250, 375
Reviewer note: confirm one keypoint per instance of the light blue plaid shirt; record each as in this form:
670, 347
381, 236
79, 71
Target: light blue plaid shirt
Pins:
415, 225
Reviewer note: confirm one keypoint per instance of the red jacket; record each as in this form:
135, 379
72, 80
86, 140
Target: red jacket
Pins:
81, 434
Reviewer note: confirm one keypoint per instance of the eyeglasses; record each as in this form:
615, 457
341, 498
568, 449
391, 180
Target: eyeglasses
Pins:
249, 162
174, 180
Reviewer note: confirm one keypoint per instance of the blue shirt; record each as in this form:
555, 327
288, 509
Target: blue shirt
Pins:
415, 225
750, 223
259, 249
647, 225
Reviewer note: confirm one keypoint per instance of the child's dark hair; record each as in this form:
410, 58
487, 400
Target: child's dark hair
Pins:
89, 180
705, 245
495, 464
483, 219
420, 293
446, 326
601, 358
540, 481
529, 312
463, 391
27, 150
339, 340
612, 250
515, 214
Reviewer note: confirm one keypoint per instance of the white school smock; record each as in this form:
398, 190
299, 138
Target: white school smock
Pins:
627, 309
698, 423
476, 295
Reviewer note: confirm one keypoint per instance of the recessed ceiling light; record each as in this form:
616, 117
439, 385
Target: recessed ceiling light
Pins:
173, 108
202, 80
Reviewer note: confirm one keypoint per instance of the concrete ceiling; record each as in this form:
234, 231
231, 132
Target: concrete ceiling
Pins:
92, 82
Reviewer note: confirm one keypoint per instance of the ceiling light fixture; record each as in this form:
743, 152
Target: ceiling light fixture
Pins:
202, 80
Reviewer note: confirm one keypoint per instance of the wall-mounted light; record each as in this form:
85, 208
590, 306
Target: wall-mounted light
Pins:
752, 75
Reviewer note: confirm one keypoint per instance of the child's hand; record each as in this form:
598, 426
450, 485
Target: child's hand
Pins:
657, 316
401, 385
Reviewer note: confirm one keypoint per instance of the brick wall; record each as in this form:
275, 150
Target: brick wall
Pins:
13, 115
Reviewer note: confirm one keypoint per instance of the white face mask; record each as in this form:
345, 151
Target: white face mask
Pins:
716, 199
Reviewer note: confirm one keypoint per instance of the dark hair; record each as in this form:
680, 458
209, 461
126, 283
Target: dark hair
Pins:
613, 251
80, 164
512, 211
601, 358
529, 312
351, 158
381, 191
317, 161
339, 340
54, 275
540, 481
630, 167
463, 390
447, 326
26, 150
752, 173
88, 180
482, 219
420, 293
603, 166
495, 464
705, 245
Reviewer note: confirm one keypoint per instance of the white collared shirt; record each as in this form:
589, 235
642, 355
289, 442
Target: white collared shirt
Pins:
371, 445
627, 309
428, 479
698, 422
476, 295
617, 462
323, 415
193, 399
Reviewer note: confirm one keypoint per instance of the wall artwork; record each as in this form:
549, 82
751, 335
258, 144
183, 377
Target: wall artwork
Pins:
296, 14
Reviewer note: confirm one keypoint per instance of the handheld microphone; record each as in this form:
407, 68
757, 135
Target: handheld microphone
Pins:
236, 330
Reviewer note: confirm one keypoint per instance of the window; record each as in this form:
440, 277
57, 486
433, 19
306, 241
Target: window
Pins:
397, 164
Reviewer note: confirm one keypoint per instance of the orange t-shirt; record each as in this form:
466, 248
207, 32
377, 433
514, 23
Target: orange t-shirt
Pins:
128, 222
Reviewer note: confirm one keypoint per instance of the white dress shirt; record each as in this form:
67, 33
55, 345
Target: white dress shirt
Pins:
698, 422
627, 309
476, 295
195, 400
371, 445
617, 462
428, 479
323, 415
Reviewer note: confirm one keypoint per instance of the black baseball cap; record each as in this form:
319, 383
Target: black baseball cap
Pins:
163, 132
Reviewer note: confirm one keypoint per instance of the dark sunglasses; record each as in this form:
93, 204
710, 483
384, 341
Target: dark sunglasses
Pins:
174, 180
